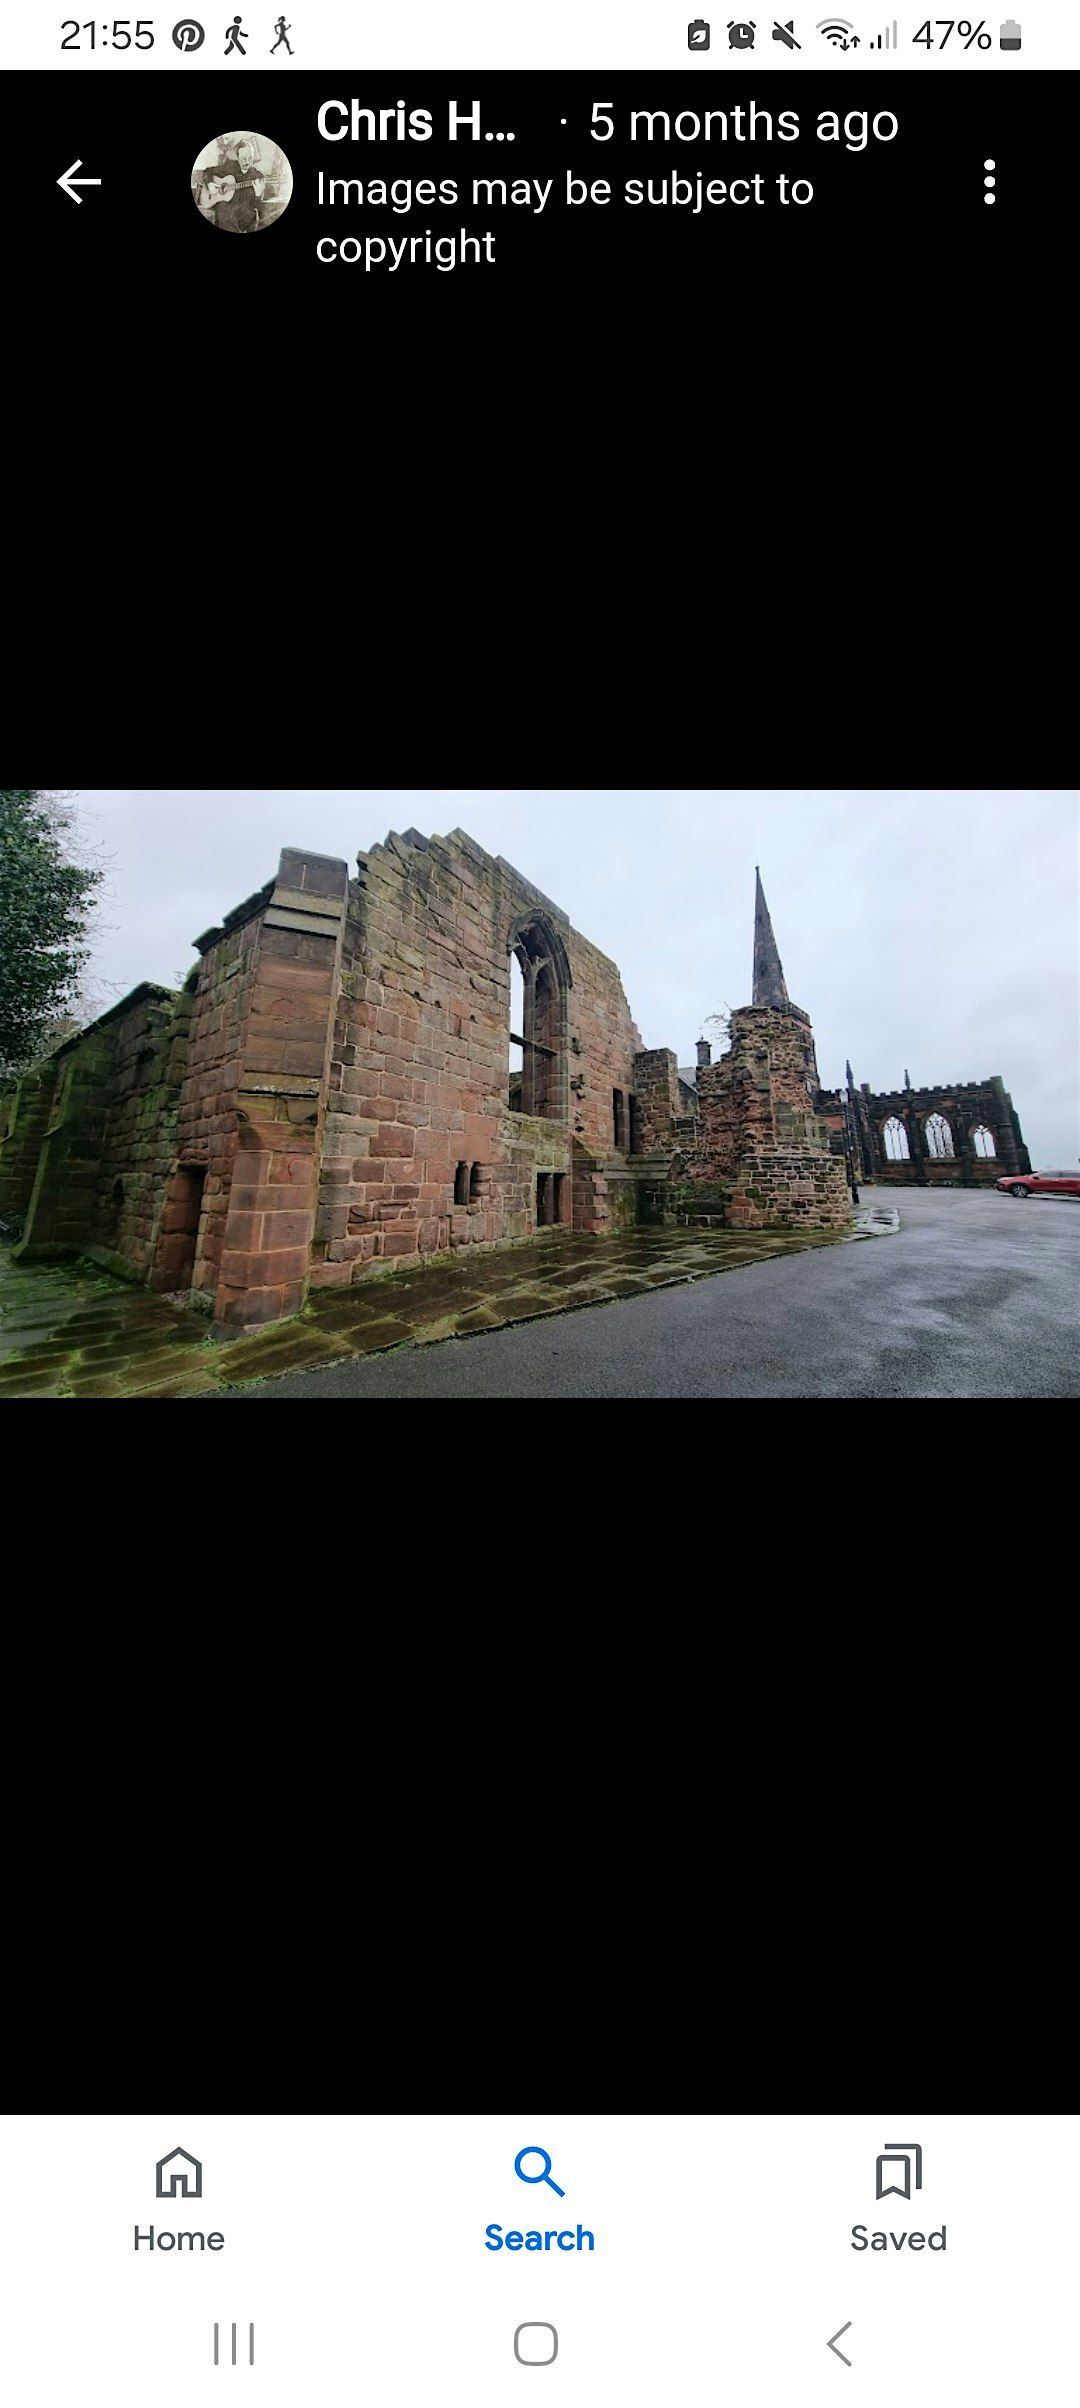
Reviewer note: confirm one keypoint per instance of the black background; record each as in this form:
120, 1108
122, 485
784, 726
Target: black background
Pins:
756, 500
767, 496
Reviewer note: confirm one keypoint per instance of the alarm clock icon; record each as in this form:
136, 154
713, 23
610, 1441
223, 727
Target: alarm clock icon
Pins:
740, 37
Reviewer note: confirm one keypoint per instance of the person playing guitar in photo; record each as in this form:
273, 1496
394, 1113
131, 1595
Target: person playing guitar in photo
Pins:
232, 190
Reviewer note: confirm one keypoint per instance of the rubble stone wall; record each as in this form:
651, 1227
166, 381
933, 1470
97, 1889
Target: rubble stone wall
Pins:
759, 1155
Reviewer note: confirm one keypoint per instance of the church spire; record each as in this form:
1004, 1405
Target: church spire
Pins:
850, 1074
768, 974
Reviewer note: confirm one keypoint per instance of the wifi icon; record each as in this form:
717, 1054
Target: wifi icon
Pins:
837, 30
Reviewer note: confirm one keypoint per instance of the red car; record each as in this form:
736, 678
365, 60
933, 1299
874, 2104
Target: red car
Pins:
1041, 1183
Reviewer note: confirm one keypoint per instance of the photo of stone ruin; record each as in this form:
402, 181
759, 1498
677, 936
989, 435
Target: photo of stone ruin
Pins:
427, 1056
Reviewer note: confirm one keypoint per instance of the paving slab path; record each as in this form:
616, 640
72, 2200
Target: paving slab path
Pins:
68, 1329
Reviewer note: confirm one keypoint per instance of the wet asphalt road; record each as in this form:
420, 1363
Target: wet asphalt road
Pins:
977, 1295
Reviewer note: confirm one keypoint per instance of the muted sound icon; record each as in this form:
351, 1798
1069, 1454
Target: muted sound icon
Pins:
251, 2345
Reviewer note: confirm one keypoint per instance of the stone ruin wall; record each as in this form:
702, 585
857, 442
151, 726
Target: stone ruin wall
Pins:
208, 1121
140, 1133
419, 1073
756, 1154
106, 1106
24, 1118
966, 1107
306, 1112
275, 1072
760, 1128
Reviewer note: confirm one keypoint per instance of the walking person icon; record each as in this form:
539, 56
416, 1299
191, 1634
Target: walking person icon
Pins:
235, 38
282, 32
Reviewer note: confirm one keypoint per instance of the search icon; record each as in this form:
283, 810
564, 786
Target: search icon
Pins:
545, 2171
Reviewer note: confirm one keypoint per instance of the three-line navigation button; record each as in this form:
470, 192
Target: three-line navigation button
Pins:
251, 2345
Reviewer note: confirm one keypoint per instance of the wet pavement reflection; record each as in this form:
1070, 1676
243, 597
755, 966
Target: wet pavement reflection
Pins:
67, 1329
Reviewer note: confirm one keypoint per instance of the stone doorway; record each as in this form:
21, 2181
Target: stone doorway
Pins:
178, 1231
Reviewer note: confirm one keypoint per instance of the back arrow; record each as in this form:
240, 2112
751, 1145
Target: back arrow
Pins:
69, 179
838, 2353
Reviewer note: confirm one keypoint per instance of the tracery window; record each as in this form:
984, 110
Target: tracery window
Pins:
939, 1138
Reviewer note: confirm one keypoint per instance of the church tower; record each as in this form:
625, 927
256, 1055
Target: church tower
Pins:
762, 1133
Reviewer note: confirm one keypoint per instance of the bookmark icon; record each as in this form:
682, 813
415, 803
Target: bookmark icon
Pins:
899, 2153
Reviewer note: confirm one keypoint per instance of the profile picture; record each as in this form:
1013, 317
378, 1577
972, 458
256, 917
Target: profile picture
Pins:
241, 182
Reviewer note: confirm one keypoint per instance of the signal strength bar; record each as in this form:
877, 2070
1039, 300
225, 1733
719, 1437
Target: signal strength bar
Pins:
884, 42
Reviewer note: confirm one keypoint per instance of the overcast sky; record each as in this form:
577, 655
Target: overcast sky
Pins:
937, 932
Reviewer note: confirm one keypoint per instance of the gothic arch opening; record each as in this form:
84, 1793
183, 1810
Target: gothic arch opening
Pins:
894, 1138
540, 1043
939, 1138
982, 1140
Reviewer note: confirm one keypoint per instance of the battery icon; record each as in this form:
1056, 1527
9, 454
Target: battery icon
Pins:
1010, 34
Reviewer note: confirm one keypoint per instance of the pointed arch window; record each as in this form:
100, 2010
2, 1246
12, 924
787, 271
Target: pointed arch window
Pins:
895, 1140
939, 1138
982, 1140
540, 1043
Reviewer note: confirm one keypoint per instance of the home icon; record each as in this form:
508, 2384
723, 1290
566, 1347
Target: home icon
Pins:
181, 2184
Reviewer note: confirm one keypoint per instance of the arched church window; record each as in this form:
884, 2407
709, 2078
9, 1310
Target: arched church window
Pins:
895, 1139
539, 992
939, 1142
983, 1141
